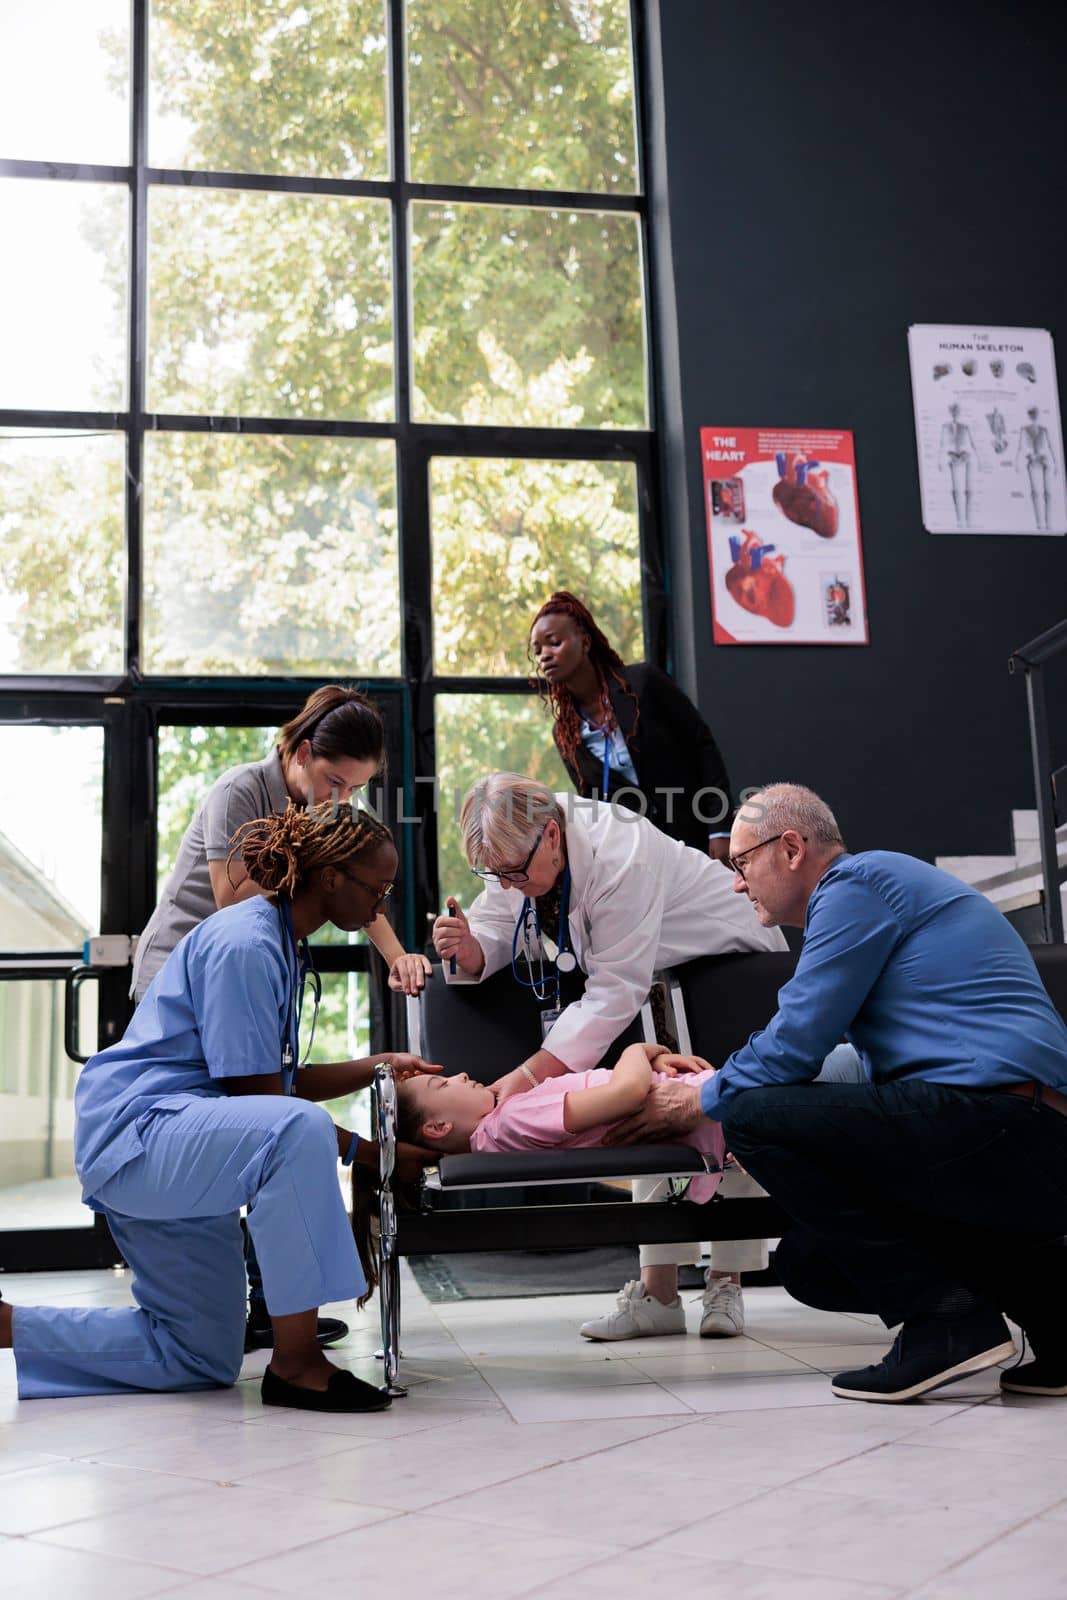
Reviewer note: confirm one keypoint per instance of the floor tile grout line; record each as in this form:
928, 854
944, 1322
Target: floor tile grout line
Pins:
390, 1514
960, 1561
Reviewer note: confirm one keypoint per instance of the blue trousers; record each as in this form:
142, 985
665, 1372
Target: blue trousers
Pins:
174, 1213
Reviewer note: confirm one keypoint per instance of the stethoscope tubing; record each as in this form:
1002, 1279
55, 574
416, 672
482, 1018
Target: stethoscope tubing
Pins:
565, 961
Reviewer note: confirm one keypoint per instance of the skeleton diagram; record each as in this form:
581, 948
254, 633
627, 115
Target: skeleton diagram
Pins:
1040, 463
957, 447
998, 427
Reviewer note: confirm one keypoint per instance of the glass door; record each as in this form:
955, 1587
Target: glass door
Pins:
51, 853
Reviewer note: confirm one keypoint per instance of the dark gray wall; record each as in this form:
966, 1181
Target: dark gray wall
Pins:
831, 174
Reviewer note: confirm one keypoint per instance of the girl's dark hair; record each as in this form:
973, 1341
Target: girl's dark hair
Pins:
365, 1189
340, 724
606, 662
281, 851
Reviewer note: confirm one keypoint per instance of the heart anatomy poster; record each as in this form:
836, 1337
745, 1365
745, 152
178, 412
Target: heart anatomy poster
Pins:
987, 425
783, 536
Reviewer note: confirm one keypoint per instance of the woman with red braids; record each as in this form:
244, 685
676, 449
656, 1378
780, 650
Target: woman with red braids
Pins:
629, 730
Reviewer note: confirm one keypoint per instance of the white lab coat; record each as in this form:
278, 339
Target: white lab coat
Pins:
639, 901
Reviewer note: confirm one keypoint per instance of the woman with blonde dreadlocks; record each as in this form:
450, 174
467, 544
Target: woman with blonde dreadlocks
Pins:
200, 1110
629, 730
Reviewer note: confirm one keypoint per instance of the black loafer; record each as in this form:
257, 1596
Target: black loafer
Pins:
1040, 1376
344, 1392
259, 1333
927, 1352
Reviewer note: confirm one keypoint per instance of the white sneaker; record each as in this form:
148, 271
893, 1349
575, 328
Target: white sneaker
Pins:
637, 1315
723, 1316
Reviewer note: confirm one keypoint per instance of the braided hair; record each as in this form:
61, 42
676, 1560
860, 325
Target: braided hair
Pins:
605, 661
282, 850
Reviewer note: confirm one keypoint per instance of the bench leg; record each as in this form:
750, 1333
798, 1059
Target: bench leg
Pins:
389, 1295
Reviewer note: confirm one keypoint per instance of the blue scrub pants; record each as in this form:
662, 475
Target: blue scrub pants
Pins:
174, 1214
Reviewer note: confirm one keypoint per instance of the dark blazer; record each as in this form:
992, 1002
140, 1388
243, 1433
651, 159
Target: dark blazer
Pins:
671, 747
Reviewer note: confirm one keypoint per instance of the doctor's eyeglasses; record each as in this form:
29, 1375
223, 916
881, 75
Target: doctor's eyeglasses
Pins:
514, 875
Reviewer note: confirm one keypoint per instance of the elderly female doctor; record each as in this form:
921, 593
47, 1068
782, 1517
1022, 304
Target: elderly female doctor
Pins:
618, 899
200, 1110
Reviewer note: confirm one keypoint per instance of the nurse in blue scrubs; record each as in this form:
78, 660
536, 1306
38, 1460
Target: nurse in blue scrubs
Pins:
200, 1110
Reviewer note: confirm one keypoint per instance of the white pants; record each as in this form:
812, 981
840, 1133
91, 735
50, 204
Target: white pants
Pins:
727, 1255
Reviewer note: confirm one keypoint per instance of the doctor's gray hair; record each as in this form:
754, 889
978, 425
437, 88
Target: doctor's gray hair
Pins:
781, 806
502, 816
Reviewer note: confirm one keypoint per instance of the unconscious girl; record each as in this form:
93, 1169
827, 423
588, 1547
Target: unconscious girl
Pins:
576, 1111
572, 1112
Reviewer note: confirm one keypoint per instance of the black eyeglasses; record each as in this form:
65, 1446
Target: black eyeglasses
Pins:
512, 874
380, 891
737, 863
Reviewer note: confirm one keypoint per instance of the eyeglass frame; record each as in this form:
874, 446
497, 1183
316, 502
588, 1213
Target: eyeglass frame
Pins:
379, 891
515, 875
737, 863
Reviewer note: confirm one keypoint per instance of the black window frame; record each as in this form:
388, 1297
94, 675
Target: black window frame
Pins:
132, 704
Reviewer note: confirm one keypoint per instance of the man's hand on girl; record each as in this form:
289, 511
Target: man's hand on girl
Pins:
669, 1110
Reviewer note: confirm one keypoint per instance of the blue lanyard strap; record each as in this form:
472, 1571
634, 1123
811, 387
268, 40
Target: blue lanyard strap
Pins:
606, 731
301, 971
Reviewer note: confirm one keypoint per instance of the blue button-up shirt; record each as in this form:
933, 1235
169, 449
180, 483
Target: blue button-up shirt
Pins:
917, 970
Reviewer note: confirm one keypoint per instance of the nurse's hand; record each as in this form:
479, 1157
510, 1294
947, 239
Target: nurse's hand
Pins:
408, 974
408, 1066
452, 937
669, 1110
411, 1159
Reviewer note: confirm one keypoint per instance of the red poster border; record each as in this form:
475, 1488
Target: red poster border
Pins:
791, 438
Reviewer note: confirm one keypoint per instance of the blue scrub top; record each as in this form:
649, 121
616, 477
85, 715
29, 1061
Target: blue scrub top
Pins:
216, 1010
917, 970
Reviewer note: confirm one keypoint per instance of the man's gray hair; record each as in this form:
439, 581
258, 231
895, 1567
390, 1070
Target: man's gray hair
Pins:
789, 805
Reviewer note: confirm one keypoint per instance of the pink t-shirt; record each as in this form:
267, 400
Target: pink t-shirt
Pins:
533, 1120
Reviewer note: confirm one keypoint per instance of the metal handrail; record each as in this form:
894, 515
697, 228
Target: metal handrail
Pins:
1031, 659
1041, 649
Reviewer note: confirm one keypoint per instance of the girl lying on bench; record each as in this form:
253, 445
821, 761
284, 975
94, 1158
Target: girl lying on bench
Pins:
574, 1111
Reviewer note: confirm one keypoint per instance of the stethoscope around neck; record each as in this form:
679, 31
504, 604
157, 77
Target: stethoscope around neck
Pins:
301, 974
544, 986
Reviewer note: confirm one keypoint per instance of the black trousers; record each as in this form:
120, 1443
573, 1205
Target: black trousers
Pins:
907, 1192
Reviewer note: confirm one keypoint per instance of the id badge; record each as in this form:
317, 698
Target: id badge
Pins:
549, 1017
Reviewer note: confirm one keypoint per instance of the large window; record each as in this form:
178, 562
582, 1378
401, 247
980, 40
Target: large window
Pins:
325, 356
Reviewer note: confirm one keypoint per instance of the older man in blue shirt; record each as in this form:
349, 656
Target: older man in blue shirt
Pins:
895, 1182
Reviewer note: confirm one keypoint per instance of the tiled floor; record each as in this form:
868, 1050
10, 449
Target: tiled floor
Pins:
525, 1462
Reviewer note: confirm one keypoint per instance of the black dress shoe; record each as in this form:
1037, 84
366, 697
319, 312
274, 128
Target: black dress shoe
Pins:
259, 1332
1036, 1377
344, 1392
927, 1352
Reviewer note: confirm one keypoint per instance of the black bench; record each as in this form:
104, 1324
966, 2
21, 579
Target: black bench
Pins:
484, 1030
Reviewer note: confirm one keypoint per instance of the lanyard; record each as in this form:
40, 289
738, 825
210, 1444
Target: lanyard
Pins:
606, 731
544, 988
300, 969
